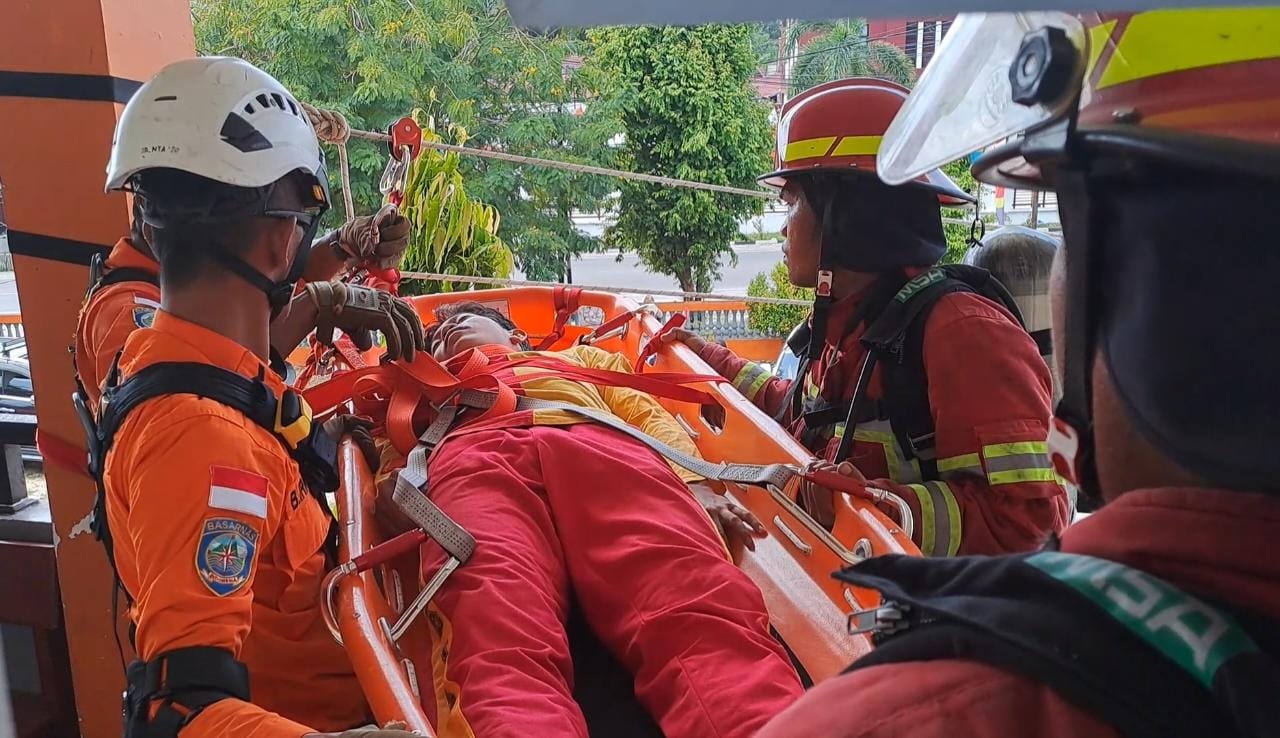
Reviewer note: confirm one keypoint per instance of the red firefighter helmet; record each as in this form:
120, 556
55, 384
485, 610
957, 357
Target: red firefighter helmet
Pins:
1183, 84
838, 126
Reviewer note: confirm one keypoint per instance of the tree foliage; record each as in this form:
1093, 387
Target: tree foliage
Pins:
958, 235
462, 60
450, 232
682, 97
841, 50
776, 320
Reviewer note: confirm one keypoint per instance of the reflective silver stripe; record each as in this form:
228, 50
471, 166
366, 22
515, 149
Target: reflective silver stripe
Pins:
940, 524
1017, 462
750, 379
950, 466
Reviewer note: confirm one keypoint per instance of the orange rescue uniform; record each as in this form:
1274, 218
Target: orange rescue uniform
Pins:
111, 314
220, 545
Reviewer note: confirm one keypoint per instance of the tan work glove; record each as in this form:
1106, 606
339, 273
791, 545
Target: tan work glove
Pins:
380, 238
360, 310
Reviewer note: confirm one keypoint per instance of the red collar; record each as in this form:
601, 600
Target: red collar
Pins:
1217, 543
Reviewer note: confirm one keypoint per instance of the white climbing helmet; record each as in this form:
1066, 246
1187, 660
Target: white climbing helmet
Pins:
218, 117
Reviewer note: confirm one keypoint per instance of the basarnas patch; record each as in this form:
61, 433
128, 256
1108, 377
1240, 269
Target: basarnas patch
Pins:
144, 316
224, 558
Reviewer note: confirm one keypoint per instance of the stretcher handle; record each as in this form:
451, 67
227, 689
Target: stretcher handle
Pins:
384, 552
857, 488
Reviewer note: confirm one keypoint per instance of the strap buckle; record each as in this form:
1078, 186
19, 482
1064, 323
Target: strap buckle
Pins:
889, 618
293, 419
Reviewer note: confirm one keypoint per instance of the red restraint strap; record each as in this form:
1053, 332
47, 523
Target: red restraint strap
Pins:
655, 343
62, 453
566, 302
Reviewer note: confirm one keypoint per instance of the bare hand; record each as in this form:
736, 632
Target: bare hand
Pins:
736, 523
687, 337
380, 239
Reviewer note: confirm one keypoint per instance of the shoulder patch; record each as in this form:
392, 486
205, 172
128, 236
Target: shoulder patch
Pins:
143, 316
224, 557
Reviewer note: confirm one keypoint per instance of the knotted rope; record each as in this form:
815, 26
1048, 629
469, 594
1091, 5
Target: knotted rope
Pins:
332, 127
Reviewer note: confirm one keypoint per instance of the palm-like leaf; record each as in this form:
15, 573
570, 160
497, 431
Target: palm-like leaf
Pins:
843, 50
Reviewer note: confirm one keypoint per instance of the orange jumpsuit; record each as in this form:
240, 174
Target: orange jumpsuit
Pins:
220, 545
111, 314
583, 509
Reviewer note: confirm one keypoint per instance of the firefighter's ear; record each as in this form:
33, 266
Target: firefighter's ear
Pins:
519, 337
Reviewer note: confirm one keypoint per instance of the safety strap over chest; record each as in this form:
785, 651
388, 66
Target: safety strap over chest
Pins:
287, 417
1143, 655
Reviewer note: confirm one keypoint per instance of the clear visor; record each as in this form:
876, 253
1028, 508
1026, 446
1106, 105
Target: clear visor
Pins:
963, 101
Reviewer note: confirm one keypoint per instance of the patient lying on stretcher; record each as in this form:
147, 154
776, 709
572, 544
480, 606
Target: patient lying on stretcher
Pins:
569, 511
462, 328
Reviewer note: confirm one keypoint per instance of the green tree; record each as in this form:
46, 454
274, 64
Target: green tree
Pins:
451, 233
958, 235
462, 60
776, 320
841, 50
687, 111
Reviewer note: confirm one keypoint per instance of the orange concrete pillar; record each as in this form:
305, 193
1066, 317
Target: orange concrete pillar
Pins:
66, 68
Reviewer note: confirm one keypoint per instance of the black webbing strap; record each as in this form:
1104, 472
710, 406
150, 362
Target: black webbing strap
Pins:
316, 455
1011, 615
184, 681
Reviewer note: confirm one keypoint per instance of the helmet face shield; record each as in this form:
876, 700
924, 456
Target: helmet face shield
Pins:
964, 100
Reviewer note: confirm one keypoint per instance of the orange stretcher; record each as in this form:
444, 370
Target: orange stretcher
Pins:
792, 566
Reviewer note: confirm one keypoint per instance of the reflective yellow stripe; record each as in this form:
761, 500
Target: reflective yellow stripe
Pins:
1163, 41
750, 379
1013, 476
963, 461
928, 526
1099, 36
940, 523
857, 146
759, 382
810, 148
1009, 449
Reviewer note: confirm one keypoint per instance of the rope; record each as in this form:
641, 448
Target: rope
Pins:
531, 160
332, 127
432, 277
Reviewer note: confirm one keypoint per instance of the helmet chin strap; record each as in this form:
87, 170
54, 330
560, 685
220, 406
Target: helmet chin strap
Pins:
1071, 442
823, 298
278, 293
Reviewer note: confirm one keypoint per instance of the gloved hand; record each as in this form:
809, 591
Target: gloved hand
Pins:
359, 310
380, 238
361, 431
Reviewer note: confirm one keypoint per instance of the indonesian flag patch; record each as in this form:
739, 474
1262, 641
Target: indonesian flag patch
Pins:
238, 490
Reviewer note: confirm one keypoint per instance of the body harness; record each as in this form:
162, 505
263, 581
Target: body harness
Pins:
186, 680
1161, 663
895, 312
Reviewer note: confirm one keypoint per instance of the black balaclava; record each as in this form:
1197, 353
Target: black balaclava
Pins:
868, 226
1186, 271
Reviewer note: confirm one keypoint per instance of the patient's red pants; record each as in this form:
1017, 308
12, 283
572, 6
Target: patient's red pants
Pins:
583, 507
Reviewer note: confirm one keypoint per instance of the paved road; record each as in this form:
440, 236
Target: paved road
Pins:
8, 294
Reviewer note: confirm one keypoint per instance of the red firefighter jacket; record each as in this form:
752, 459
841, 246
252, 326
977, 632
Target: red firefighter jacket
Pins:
1214, 544
990, 395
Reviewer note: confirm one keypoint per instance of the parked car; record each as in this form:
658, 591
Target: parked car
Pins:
787, 364
17, 395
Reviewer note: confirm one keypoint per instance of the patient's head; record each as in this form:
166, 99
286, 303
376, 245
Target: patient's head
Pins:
469, 325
